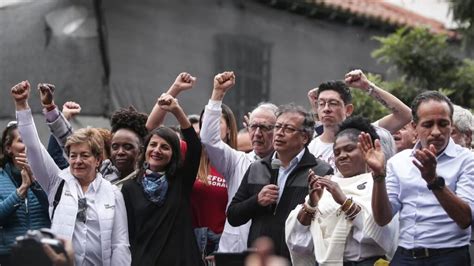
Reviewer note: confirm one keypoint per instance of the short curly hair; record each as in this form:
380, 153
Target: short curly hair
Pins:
129, 118
354, 125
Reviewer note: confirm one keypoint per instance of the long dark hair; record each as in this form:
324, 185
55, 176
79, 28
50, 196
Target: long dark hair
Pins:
172, 138
6, 141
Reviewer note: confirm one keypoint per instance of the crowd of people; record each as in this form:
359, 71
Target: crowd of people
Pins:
293, 187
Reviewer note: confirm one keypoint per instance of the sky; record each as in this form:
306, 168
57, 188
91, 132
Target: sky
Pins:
436, 9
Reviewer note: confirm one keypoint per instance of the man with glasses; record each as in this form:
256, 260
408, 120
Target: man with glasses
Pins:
273, 186
232, 163
333, 101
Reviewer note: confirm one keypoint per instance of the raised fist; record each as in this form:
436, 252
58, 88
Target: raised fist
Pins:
184, 81
357, 79
46, 93
224, 81
168, 102
21, 91
71, 109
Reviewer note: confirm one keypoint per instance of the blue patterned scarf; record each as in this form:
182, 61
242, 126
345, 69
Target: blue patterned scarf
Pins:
155, 186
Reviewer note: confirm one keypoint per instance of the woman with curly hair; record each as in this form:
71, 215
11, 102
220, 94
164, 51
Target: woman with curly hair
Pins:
335, 225
128, 132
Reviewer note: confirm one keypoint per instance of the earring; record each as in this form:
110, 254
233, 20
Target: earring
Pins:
145, 165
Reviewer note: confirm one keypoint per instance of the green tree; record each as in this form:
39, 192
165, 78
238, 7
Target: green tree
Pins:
463, 12
422, 61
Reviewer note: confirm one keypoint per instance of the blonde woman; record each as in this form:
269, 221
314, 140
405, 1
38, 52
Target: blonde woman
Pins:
84, 207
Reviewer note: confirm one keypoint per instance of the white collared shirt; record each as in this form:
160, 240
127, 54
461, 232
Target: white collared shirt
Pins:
283, 172
86, 237
423, 221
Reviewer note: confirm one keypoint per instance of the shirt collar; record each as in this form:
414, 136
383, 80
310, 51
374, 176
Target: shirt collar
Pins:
294, 161
450, 149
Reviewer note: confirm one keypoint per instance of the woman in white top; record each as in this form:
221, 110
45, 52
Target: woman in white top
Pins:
90, 211
335, 225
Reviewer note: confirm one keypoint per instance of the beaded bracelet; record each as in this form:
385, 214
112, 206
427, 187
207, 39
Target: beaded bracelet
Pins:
344, 207
308, 212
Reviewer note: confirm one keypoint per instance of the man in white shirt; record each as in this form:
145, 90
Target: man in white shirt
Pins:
333, 101
231, 163
430, 186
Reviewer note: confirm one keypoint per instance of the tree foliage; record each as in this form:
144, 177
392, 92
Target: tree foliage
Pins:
422, 61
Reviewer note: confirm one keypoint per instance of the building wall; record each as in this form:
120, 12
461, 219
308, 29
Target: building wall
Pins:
151, 42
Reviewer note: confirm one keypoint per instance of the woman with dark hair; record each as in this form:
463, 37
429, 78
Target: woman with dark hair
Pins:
158, 199
128, 132
23, 204
337, 227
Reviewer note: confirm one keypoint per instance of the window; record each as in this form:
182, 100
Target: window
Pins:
249, 58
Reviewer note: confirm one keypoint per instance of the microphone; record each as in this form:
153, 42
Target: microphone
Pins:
276, 163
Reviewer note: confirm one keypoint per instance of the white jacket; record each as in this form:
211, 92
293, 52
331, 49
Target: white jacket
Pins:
108, 202
232, 164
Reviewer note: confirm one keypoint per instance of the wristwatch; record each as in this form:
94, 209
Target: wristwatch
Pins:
437, 184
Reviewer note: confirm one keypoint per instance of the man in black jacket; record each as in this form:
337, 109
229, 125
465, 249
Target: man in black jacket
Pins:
273, 186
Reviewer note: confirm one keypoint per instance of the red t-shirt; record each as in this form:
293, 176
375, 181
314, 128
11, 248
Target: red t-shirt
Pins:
209, 202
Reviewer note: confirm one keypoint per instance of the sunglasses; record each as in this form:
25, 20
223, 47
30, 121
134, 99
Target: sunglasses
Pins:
82, 210
12, 124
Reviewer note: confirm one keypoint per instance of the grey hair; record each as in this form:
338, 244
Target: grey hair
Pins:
387, 142
266, 106
462, 119
308, 122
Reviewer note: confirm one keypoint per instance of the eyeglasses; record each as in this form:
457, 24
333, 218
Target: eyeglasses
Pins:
332, 104
263, 127
287, 129
82, 210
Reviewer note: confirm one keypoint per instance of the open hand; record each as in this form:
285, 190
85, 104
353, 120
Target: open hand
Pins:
333, 188
374, 156
426, 163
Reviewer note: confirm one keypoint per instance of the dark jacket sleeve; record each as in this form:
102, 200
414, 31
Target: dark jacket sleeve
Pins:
192, 158
244, 205
56, 152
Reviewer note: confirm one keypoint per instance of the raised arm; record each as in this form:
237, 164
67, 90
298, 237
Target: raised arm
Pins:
401, 113
184, 81
222, 156
41, 163
375, 159
193, 153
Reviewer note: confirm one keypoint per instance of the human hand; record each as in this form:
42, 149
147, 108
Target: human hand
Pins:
313, 99
46, 94
333, 188
61, 259
246, 121
168, 103
315, 190
373, 156
224, 81
426, 162
71, 109
20, 92
26, 174
357, 79
184, 81
268, 195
